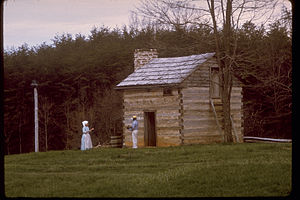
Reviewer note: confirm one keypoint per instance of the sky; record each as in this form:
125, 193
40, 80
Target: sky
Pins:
36, 21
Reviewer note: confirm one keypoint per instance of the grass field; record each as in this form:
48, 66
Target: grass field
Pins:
216, 170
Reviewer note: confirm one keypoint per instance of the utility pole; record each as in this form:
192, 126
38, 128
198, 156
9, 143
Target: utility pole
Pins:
2, 139
36, 119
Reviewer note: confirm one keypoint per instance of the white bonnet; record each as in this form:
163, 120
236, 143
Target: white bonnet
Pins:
84, 123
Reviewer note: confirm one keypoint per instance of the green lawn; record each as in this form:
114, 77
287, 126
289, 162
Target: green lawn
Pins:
216, 170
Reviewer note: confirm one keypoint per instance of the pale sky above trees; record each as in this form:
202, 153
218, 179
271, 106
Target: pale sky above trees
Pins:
37, 21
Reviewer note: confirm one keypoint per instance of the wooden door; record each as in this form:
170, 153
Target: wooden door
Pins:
149, 129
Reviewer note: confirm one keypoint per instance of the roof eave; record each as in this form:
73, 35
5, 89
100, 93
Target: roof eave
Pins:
131, 87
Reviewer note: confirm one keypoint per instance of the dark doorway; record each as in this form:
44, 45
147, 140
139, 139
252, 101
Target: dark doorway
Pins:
149, 129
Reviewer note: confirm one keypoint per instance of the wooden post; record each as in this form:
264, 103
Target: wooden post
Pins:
216, 118
36, 121
234, 130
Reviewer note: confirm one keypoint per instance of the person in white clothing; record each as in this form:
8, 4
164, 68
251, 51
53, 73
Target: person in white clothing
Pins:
134, 128
86, 142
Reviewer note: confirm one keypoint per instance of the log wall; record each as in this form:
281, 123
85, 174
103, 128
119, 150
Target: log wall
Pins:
199, 125
166, 109
197, 118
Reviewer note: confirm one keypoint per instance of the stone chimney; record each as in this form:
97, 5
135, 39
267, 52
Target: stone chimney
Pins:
142, 57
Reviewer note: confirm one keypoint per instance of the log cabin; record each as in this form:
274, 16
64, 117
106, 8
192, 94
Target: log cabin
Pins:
177, 101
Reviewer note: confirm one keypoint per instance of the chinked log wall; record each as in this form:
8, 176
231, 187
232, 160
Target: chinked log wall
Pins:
166, 108
197, 117
186, 117
199, 124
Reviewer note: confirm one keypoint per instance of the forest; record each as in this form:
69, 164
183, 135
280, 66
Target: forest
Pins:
76, 77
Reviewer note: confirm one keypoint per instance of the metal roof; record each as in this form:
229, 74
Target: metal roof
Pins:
164, 71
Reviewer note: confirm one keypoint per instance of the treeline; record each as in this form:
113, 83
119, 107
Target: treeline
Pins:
76, 77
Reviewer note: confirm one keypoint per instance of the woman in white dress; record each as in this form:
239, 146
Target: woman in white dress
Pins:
86, 142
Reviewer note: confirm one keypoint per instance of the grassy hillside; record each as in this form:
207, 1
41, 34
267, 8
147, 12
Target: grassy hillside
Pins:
249, 169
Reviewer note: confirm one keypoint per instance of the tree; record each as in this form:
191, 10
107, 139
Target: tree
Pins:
224, 19
46, 106
231, 15
265, 69
77, 76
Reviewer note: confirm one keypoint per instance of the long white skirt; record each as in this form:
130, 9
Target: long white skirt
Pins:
82, 147
86, 142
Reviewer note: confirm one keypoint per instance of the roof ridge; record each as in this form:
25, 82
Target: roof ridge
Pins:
181, 58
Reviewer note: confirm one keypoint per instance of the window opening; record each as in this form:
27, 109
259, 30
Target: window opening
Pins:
167, 92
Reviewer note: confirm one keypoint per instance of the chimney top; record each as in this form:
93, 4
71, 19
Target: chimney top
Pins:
143, 56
